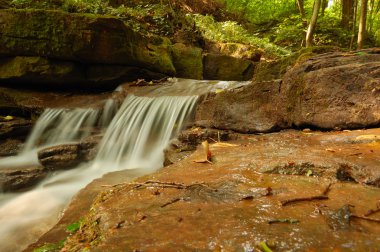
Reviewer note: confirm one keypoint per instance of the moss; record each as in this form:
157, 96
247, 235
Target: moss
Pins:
187, 61
83, 38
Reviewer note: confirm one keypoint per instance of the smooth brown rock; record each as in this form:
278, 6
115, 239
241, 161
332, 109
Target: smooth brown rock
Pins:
252, 108
60, 157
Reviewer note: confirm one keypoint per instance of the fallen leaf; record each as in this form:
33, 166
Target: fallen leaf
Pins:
8, 118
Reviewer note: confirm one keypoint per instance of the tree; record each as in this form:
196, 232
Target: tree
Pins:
313, 23
301, 9
324, 6
362, 23
348, 13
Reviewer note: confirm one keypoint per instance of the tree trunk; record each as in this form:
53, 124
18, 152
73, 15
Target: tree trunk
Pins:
324, 6
347, 13
362, 23
354, 24
301, 8
370, 17
313, 23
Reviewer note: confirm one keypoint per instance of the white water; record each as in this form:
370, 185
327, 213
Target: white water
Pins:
136, 138
56, 126
53, 127
140, 131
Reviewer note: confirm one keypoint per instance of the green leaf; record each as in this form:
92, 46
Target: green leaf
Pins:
73, 227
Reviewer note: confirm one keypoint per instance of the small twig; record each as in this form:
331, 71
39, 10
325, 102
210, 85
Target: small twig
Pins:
372, 211
365, 218
212, 139
290, 201
171, 202
290, 221
115, 185
327, 189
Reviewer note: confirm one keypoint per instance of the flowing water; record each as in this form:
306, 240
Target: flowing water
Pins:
135, 138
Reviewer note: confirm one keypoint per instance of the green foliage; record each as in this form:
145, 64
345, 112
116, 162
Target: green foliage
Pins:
50, 247
258, 11
86, 6
231, 31
73, 227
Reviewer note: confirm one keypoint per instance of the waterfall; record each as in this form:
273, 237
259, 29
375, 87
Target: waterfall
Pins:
135, 138
141, 129
56, 126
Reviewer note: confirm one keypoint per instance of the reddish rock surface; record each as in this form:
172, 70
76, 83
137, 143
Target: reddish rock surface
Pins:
240, 199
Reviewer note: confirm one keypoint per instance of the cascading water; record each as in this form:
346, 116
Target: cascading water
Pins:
141, 129
56, 126
136, 138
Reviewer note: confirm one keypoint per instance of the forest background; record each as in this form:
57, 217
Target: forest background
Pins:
276, 26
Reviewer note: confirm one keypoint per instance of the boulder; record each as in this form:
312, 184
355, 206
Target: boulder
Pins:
236, 50
67, 74
187, 61
334, 90
13, 179
37, 69
248, 109
83, 38
224, 67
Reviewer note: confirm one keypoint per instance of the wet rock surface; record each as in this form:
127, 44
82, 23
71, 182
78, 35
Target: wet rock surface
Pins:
17, 128
248, 195
67, 156
60, 157
10, 147
17, 178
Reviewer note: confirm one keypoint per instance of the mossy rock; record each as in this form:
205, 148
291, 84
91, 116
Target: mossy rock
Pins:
187, 61
224, 67
236, 50
38, 69
272, 70
83, 38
